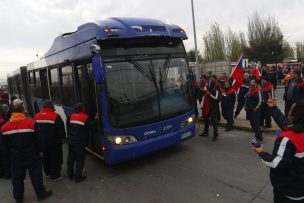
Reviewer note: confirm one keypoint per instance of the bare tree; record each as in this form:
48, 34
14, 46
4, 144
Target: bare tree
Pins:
214, 44
235, 44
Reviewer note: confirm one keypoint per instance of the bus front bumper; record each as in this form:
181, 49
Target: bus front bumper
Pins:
119, 153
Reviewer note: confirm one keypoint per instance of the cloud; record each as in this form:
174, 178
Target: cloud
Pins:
29, 27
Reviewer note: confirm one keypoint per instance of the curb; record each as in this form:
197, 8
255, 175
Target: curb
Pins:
246, 128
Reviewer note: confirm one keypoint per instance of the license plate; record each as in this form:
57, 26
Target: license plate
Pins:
185, 135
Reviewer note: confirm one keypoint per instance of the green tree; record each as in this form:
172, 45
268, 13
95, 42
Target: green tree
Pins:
265, 40
235, 44
300, 51
191, 56
214, 44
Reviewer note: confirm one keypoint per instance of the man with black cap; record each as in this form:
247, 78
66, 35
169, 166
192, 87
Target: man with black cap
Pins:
294, 90
51, 133
79, 128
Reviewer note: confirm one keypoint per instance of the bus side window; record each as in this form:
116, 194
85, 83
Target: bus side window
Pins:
44, 84
37, 86
67, 86
19, 86
80, 85
54, 85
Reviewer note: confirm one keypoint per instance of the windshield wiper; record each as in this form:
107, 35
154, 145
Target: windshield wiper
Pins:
152, 72
139, 68
163, 74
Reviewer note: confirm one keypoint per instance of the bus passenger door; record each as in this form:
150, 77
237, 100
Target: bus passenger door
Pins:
88, 95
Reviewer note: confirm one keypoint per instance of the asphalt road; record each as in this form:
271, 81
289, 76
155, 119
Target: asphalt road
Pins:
197, 170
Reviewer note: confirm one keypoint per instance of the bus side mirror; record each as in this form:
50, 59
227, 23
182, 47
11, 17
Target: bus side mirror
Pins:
98, 69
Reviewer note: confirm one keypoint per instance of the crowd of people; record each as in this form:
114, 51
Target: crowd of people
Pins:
35, 145
216, 97
257, 97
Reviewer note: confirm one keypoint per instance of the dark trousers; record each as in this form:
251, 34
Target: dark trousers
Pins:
265, 115
240, 105
195, 108
18, 175
280, 198
214, 120
5, 168
76, 159
254, 118
288, 104
228, 116
52, 159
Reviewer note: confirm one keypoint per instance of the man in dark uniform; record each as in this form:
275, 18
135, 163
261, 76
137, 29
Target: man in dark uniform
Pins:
4, 151
253, 101
267, 92
294, 90
19, 135
51, 134
79, 127
211, 109
241, 94
228, 104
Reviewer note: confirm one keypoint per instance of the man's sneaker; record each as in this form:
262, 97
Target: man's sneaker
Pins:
82, 178
58, 178
204, 134
47, 176
214, 139
46, 195
228, 129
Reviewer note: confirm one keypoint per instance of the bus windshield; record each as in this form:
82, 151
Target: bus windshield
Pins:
147, 88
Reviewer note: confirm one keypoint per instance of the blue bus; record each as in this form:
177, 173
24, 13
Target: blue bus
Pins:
133, 72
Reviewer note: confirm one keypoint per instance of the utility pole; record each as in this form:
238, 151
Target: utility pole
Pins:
194, 33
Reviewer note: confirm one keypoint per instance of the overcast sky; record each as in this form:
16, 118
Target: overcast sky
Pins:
28, 27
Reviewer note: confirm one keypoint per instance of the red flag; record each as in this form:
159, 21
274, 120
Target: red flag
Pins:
237, 74
256, 72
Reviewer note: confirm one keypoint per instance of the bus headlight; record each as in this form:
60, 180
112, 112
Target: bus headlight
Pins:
187, 122
121, 139
118, 140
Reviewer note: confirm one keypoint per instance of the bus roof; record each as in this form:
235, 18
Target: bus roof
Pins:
112, 28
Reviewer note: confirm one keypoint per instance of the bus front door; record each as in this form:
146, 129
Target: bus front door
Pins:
88, 95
